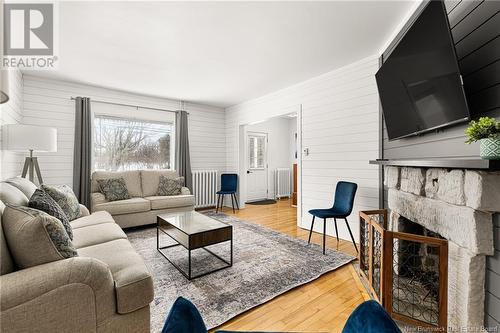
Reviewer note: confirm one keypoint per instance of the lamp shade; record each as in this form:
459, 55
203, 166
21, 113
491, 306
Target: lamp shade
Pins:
26, 137
4, 86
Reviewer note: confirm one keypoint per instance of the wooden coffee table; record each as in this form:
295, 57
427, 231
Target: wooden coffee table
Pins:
193, 230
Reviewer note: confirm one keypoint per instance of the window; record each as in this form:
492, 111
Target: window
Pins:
131, 144
257, 151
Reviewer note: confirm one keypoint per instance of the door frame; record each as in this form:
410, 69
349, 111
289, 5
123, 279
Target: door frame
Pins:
242, 146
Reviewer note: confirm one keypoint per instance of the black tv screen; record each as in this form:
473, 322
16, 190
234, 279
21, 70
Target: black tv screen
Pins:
419, 83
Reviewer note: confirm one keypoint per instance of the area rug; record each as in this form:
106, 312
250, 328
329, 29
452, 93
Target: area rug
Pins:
266, 264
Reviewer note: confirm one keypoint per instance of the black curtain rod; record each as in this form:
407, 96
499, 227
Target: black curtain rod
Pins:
128, 105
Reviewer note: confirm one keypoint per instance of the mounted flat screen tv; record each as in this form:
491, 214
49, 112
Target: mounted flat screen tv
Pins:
419, 83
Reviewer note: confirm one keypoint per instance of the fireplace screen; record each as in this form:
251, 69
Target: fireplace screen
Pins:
406, 272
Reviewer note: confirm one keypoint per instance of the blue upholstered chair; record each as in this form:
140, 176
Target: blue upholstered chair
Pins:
341, 209
228, 185
369, 317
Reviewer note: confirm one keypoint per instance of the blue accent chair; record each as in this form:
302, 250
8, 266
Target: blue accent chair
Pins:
341, 209
369, 317
228, 185
184, 317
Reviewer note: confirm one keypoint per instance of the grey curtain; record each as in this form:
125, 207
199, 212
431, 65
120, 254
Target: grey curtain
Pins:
182, 157
83, 149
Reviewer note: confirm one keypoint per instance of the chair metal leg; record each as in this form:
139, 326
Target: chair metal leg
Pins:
311, 231
324, 235
236, 200
352, 237
217, 204
336, 230
232, 202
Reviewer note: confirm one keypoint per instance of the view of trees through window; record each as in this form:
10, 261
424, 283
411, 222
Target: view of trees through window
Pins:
131, 144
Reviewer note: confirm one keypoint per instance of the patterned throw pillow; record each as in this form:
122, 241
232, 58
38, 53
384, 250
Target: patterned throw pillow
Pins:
35, 237
44, 202
65, 198
170, 186
113, 189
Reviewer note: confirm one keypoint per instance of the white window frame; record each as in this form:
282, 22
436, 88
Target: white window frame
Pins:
258, 135
139, 114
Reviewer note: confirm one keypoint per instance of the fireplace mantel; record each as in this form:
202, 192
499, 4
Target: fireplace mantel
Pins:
449, 163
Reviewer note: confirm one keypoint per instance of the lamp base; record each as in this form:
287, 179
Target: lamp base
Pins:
31, 166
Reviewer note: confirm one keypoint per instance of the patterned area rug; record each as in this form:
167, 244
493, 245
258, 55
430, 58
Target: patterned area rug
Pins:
266, 264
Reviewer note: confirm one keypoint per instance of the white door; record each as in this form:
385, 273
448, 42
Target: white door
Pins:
256, 166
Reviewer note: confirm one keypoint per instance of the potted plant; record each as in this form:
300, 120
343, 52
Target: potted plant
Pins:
487, 131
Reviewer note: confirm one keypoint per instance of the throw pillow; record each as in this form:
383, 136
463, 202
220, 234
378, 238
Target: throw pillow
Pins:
113, 189
66, 198
170, 186
184, 318
23, 184
35, 237
44, 202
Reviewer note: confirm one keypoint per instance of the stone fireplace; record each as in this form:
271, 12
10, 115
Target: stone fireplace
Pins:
456, 205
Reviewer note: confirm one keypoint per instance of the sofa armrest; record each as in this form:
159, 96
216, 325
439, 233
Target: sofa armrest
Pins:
95, 199
84, 211
43, 282
185, 191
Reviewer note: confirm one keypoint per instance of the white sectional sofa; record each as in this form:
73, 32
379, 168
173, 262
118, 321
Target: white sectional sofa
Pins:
144, 204
106, 288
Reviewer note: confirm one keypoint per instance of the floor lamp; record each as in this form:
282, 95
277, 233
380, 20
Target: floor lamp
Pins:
34, 139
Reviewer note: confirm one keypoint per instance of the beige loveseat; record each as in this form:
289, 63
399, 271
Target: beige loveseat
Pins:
106, 288
144, 204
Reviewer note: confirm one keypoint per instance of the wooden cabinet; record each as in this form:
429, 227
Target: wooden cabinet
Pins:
294, 191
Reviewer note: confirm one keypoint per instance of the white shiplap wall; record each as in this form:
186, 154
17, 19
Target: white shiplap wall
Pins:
340, 126
11, 113
47, 103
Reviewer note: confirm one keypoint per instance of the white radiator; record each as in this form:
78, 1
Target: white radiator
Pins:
282, 183
204, 188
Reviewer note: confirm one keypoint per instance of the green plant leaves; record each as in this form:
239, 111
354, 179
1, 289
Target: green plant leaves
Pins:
483, 128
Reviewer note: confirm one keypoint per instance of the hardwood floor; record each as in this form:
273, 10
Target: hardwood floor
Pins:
322, 305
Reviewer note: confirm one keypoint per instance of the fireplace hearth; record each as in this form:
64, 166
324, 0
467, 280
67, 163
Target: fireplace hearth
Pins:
445, 205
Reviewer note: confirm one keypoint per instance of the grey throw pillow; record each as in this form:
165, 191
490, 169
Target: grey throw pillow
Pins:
170, 186
44, 202
35, 237
65, 198
113, 189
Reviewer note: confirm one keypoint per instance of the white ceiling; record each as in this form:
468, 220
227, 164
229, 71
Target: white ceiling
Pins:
216, 53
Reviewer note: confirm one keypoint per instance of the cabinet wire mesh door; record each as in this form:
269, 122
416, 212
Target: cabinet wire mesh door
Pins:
372, 232
406, 273
417, 279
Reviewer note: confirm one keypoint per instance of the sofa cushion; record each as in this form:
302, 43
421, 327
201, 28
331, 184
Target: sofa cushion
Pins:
44, 202
113, 189
6, 263
171, 201
170, 186
133, 205
66, 198
93, 219
133, 282
12, 195
132, 179
151, 179
23, 184
97, 234
35, 237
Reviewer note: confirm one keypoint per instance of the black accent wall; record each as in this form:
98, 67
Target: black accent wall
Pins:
475, 27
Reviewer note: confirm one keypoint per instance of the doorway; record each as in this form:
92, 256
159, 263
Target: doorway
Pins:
283, 151
257, 170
